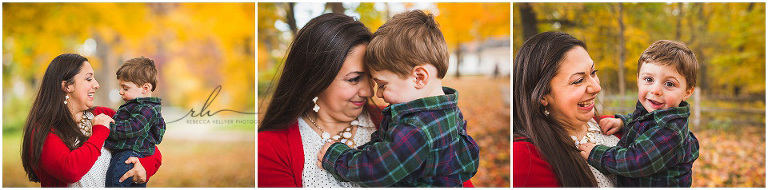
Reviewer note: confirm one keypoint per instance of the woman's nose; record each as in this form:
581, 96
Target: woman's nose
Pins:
96, 84
594, 86
366, 91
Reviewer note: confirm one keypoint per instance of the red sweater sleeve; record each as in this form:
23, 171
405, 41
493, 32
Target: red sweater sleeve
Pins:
70, 165
529, 168
275, 167
152, 163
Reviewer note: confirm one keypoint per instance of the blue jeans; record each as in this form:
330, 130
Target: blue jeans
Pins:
118, 167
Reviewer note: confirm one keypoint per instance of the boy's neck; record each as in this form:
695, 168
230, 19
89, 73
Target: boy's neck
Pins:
434, 88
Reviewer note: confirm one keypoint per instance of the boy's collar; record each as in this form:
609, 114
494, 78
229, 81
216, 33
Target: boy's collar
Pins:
449, 100
681, 111
145, 100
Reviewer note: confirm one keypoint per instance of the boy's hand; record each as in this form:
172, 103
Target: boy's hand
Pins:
321, 153
102, 119
585, 149
610, 126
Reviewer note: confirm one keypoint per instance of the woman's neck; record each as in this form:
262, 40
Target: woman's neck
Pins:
577, 130
76, 115
328, 123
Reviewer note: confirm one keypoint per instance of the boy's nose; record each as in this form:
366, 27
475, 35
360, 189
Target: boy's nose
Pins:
656, 89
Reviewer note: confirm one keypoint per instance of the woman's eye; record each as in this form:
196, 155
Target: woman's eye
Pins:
578, 81
89, 79
594, 72
356, 79
381, 86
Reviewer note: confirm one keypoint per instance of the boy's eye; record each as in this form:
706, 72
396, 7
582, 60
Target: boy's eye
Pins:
669, 84
381, 86
648, 79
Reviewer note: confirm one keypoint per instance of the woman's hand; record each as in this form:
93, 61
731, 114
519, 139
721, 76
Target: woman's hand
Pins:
321, 154
138, 172
102, 119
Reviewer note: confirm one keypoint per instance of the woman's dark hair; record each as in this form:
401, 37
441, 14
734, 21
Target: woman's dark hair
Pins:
315, 57
50, 114
536, 63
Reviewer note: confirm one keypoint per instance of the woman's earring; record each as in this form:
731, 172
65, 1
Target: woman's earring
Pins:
66, 97
316, 108
546, 113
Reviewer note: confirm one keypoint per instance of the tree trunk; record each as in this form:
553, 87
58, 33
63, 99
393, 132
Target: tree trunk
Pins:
458, 60
291, 18
335, 7
528, 17
679, 21
622, 49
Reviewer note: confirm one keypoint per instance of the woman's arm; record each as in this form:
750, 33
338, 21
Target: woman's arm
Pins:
70, 165
152, 163
274, 169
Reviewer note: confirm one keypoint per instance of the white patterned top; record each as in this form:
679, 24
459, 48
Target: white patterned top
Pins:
312, 176
97, 175
603, 180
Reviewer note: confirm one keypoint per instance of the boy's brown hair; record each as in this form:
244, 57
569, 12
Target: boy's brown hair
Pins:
408, 40
672, 53
138, 70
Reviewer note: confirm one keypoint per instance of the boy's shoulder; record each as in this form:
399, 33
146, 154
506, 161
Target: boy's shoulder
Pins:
141, 103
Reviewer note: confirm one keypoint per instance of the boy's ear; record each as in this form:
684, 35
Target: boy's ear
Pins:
146, 88
421, 76
688, 93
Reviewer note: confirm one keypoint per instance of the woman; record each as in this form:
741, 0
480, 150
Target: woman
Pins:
322, 92
555, 85
62, 144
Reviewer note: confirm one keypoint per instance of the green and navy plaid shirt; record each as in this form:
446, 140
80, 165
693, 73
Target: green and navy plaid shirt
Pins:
138, 126
657, 149
420, 143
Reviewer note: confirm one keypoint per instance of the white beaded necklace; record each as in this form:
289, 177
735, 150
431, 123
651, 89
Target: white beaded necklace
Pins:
344, 136
589, 137
85, 124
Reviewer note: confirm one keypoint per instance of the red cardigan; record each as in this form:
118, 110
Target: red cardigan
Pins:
281, 158
60, 166
529, 167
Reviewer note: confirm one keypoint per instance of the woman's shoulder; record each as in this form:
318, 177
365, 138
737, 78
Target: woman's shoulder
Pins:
529, 167
105, 110
279, 140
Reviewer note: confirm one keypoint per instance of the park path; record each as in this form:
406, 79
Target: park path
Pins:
215, 128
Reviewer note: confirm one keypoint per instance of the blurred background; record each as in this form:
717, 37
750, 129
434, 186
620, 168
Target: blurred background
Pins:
478, 39
196, 47
728, 107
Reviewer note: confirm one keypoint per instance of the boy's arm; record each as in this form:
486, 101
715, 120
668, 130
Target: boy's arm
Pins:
654, 151
139, 122
382, 163
625, 119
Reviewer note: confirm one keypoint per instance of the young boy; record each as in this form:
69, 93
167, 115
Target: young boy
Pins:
422, 139
138, 126
656, 149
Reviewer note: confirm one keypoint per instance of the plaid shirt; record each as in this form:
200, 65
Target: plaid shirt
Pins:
420, 143
138, 126
657, 149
